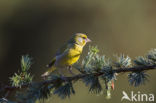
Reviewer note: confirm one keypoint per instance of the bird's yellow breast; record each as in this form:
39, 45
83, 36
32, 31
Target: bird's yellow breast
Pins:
73, 55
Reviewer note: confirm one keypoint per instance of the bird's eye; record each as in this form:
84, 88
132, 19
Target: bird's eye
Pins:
83, 37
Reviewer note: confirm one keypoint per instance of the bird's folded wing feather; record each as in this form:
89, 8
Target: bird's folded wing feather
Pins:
51, 63
61, 51
64, 48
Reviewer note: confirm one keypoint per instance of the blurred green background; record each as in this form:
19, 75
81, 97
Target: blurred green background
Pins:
40, 27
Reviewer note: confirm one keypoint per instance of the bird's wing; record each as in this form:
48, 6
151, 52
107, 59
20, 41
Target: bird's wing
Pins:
52, 63
64, 48
61, 51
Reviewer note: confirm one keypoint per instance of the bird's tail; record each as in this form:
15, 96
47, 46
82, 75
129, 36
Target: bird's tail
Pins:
51, 63
51, 68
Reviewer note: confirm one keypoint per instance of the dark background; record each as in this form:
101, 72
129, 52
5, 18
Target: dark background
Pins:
40, 27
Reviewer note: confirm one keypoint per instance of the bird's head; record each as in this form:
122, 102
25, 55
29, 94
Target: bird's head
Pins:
81, 39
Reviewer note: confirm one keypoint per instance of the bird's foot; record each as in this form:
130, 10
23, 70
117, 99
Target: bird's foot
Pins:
70, 70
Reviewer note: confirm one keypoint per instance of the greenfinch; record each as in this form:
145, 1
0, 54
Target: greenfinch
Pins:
68, 54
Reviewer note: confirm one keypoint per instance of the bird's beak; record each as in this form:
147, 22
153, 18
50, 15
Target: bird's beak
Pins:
88, 40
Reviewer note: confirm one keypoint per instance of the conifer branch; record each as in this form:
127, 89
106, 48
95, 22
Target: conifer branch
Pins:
94, 69
80, 76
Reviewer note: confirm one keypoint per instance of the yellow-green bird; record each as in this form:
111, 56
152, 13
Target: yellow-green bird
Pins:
68, 54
